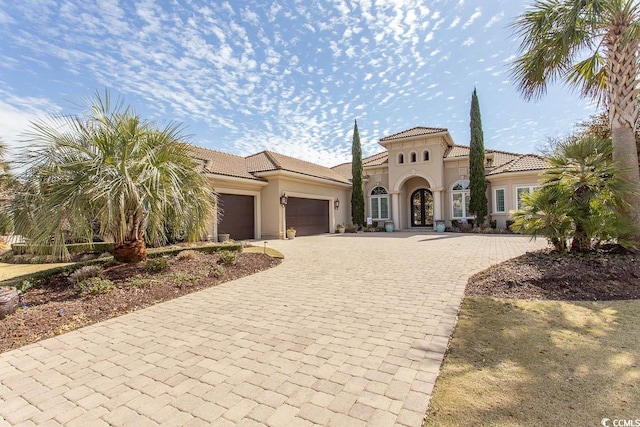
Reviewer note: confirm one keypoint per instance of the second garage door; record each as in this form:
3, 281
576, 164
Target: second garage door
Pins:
308, 216
238, 216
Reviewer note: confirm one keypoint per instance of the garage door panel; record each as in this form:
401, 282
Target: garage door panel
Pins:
238, 216
308, 216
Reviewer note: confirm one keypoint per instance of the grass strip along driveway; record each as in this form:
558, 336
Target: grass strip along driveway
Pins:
531, 363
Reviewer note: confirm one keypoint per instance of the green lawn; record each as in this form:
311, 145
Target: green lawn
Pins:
535, 363
260, 249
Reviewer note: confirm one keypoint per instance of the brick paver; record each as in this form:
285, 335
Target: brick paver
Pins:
349, 330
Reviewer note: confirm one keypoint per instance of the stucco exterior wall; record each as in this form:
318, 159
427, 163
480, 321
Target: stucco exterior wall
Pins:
224, 185
509, 182
377, 177
454, 170
274, 215
431, 170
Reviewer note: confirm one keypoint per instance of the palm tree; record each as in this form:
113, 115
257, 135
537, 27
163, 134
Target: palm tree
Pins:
580, 195
115, 172
593, 45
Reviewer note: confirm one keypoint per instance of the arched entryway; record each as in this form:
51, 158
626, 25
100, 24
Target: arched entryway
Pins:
421, 208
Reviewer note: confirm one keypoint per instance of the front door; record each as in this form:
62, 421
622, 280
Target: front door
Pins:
422, 208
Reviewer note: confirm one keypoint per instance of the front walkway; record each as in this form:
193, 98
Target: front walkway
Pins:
348, 331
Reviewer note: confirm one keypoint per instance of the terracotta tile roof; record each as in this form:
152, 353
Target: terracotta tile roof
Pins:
416, 131
378, 159
524, 162
269, 161
344, 170
220, 163
498, 158
456, 151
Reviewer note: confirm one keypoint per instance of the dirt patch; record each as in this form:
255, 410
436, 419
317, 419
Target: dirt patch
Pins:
550, 275
57, 308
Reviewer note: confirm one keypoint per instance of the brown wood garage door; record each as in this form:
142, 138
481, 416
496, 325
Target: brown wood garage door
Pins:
308, 216
238, 218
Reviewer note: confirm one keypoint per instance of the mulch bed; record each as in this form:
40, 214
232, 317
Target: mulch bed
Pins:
550, 275
56, 308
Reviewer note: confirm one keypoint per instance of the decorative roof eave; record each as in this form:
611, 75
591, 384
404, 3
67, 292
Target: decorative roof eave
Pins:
451, 159
219, 176
302, 177
376, 166
388, 140
510, 174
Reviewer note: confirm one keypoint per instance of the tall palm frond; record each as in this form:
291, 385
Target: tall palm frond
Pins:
592, 45
115, 169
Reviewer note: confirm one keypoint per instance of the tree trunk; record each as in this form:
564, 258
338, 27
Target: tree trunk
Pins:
622, 95
581, 243
130, 251
626, 157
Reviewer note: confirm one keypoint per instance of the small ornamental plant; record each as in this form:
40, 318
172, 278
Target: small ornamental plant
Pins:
156, 265
228, 257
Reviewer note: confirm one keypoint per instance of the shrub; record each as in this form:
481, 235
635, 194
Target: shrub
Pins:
86, 272
579, 199
25, 285
218, 271
186, 255
207, 249
94, 286
156, 265
73, 248
228, 257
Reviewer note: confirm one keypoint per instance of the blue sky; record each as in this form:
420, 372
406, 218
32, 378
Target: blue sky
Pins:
283, 75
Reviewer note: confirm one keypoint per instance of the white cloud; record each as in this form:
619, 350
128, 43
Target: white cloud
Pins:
468, 42
455, 22
494, 20
473, 17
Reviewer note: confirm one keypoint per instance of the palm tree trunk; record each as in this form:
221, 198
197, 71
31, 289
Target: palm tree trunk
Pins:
130, 251
622, 88
581, 243
625, 155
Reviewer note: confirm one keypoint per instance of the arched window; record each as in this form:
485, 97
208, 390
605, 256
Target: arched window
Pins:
460, 197
379, 203
400, 158
413, 157
425, 156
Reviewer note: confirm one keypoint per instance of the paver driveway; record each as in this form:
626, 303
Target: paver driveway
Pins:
348, 331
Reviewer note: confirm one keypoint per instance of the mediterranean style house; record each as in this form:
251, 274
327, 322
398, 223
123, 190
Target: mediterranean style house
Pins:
421, 177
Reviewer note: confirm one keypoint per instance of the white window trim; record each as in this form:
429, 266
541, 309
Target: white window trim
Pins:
465, 195
495, 200
531, 189
379, 196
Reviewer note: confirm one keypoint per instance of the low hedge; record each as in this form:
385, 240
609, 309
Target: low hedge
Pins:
207, 249
73, 248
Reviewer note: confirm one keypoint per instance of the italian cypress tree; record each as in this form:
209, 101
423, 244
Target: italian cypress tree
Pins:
478, 185
357, 193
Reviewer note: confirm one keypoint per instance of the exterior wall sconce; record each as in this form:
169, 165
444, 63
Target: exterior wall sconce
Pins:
283, 199
336, 204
